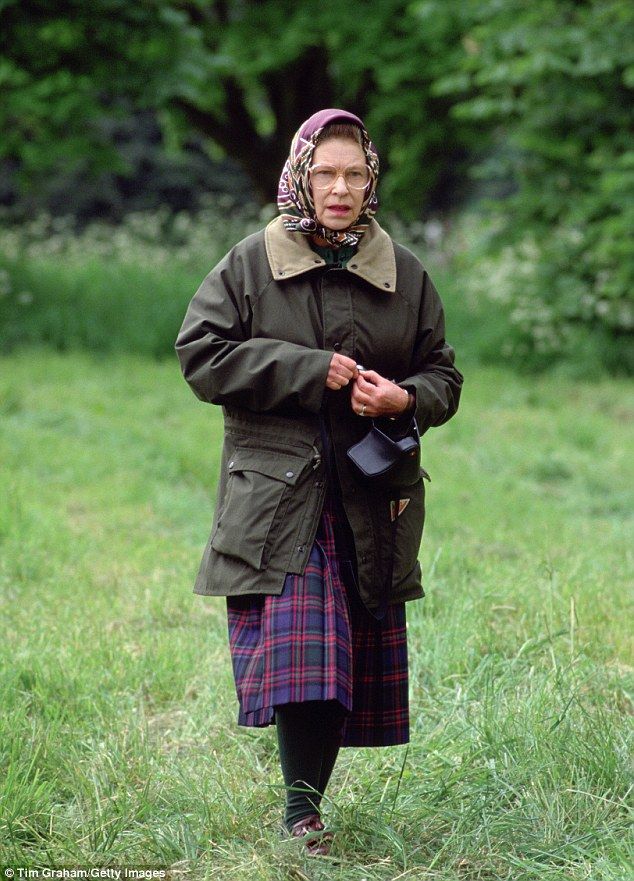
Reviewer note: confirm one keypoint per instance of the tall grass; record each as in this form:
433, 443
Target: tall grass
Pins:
110, 289
118, 742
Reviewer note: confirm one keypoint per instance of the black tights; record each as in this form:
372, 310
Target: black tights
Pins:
309, 737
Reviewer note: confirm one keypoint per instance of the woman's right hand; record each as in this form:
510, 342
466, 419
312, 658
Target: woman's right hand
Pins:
342, 369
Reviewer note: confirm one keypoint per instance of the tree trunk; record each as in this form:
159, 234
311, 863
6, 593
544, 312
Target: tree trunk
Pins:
294, 92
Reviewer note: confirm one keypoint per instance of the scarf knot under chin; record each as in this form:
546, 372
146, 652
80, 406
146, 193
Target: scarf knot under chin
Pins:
294, 197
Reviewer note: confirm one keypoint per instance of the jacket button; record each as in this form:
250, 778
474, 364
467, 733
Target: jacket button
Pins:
289, 473
337, 347
301, 549
354, 266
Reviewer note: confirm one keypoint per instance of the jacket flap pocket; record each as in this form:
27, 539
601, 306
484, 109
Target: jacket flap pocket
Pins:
279, 466
259, 485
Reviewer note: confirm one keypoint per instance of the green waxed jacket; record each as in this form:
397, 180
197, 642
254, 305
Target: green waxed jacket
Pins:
258, 338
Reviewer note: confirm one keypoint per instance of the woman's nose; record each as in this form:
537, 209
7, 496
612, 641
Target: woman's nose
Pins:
340, 185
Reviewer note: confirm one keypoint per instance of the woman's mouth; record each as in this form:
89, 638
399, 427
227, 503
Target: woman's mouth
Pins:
339, 209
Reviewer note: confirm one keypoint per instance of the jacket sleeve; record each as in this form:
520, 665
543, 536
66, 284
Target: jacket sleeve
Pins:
434, 380
223, 364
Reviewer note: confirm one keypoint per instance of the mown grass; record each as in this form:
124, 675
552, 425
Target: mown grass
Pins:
118, 742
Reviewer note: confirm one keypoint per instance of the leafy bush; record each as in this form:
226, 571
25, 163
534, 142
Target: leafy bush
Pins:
556, 78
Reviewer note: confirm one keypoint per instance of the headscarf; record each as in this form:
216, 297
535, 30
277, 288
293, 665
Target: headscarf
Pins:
294, 197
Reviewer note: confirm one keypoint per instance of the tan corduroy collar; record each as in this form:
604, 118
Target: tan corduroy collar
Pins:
290, 254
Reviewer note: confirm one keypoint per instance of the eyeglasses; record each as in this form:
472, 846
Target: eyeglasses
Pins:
323, 177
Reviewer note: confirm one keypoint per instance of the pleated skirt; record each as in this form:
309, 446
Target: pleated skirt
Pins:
316, 641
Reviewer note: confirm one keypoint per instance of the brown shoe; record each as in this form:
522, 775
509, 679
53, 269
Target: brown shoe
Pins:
316, 847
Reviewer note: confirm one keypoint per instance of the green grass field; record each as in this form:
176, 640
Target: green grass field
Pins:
118, 742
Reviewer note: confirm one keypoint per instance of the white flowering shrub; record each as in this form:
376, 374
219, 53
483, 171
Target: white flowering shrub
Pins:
564, 298
142, 239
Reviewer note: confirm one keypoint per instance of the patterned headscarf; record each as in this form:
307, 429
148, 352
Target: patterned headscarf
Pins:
294, 197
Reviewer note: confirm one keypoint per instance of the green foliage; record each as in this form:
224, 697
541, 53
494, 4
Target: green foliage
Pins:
242, 74
65, 72
535, 98
555, 78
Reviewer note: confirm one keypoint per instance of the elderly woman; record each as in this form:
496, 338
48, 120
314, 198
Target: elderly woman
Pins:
303, 332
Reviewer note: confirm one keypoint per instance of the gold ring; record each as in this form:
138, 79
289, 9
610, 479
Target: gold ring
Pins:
363, 410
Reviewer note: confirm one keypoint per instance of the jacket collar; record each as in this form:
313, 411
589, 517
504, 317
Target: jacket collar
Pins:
290, 255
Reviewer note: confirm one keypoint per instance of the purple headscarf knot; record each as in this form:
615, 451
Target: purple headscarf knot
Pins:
294, 197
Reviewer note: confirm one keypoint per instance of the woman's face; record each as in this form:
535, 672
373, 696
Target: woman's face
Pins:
338, 206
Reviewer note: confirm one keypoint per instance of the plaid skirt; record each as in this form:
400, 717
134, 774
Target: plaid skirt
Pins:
316, 641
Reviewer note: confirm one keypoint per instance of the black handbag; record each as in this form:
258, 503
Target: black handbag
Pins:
387, 462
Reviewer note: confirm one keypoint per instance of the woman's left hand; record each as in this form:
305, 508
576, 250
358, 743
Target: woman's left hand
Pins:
373, 395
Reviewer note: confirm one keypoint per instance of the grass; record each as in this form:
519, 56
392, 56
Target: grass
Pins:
118, 743
101, 305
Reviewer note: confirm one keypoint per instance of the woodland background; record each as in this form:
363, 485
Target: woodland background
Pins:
520, 114
138, 142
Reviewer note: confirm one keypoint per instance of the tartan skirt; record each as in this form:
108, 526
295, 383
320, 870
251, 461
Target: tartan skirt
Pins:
316, 641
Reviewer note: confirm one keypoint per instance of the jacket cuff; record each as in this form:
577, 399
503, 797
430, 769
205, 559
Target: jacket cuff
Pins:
316, 389
411, 401
404, 418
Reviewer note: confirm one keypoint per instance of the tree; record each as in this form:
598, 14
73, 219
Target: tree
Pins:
555, 78
64, 68
243, 74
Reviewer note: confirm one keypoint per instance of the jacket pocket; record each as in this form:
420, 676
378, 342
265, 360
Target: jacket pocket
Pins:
259, 486
409, 530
